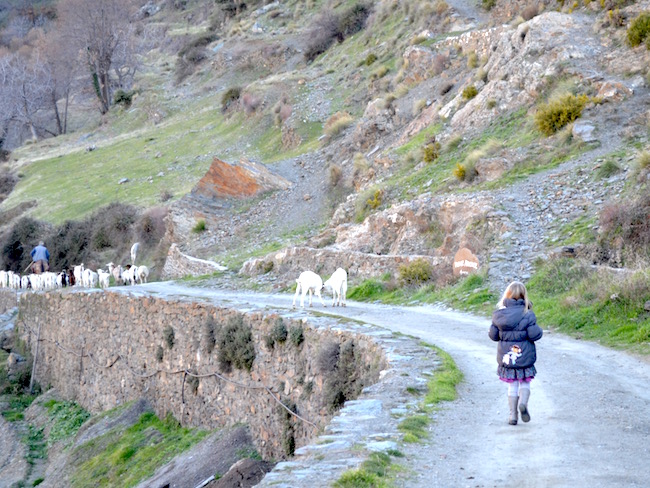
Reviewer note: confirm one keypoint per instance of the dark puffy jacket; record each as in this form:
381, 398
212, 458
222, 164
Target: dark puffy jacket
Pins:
516, 333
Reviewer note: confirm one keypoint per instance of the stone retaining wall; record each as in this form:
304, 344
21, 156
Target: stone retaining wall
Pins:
8, 300
102, 349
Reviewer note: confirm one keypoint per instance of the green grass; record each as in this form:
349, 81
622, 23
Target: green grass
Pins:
17, 404
415, 428
122, 459
71, 183
470, 293
442, 386
374, 472
578, 231
36, 446
597, 305
66, 417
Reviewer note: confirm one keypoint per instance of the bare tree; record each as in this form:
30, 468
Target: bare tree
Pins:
26, 83
60, 64
102, 33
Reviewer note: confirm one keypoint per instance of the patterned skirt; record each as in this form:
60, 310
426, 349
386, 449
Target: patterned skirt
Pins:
511, 375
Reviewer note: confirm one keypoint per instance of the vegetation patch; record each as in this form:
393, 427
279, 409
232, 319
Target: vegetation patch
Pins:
600, 305
278, 334
639, 29
235, 343
374, 472
66, 419
123, 458
415, 273
559, 112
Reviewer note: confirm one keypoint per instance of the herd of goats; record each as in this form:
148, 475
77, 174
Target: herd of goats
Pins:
78, 276
307, 283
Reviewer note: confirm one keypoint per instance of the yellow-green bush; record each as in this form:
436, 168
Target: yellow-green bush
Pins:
416, 272
431, 152
559, 112
469, 92
639, 29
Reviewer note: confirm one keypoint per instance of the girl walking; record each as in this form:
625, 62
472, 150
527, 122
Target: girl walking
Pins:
514, 327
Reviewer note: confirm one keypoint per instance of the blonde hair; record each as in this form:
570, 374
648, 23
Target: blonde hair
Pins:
517, 291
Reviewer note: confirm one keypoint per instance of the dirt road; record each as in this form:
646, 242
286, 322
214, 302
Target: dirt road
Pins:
590, 405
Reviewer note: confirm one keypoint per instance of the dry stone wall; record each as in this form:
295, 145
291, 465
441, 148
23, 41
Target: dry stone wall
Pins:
8, 300
102, 349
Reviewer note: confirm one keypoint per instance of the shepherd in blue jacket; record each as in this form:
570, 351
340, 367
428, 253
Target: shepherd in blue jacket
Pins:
40, 258
514, 327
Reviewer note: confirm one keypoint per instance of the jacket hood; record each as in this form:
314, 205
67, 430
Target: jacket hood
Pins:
509, 317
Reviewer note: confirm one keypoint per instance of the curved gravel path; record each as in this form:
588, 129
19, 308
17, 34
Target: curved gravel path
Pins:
589, 404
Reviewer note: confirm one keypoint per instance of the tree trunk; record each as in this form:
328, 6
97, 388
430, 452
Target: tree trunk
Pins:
57, 116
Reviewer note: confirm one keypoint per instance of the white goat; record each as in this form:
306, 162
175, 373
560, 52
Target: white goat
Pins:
25, 283
90, 278
104, 278
134, 252
116, 271
141, 274
78, 272
308, 281
128, 275
48, 280
3, 279
338, 283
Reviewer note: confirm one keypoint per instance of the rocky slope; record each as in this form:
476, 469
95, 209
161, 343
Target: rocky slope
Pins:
507, 225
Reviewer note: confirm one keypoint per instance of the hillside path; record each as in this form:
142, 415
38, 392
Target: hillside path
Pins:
589, 404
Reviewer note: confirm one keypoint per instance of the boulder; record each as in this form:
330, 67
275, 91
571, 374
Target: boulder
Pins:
584, 130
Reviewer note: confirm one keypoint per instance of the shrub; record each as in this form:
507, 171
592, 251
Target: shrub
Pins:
625, 226
439, 63
230, 98
342, 382
608, 168
371, 58
278, 335
150, 229
168, 336
250, 103
366, 290
459, 172
639, 29
431, 152
559, 112
353, 20
321, 34
199, 227
236, 348
209, 339
472, 60
488, 4
374, 202
491, 103
18, 244
530, 11
380, 72
337, 123
335, 175
296, 335
122, 97
165, 195
416, 272
643, 160
160, 353
469, 92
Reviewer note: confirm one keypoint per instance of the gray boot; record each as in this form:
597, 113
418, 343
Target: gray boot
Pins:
524, 395
512, 403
